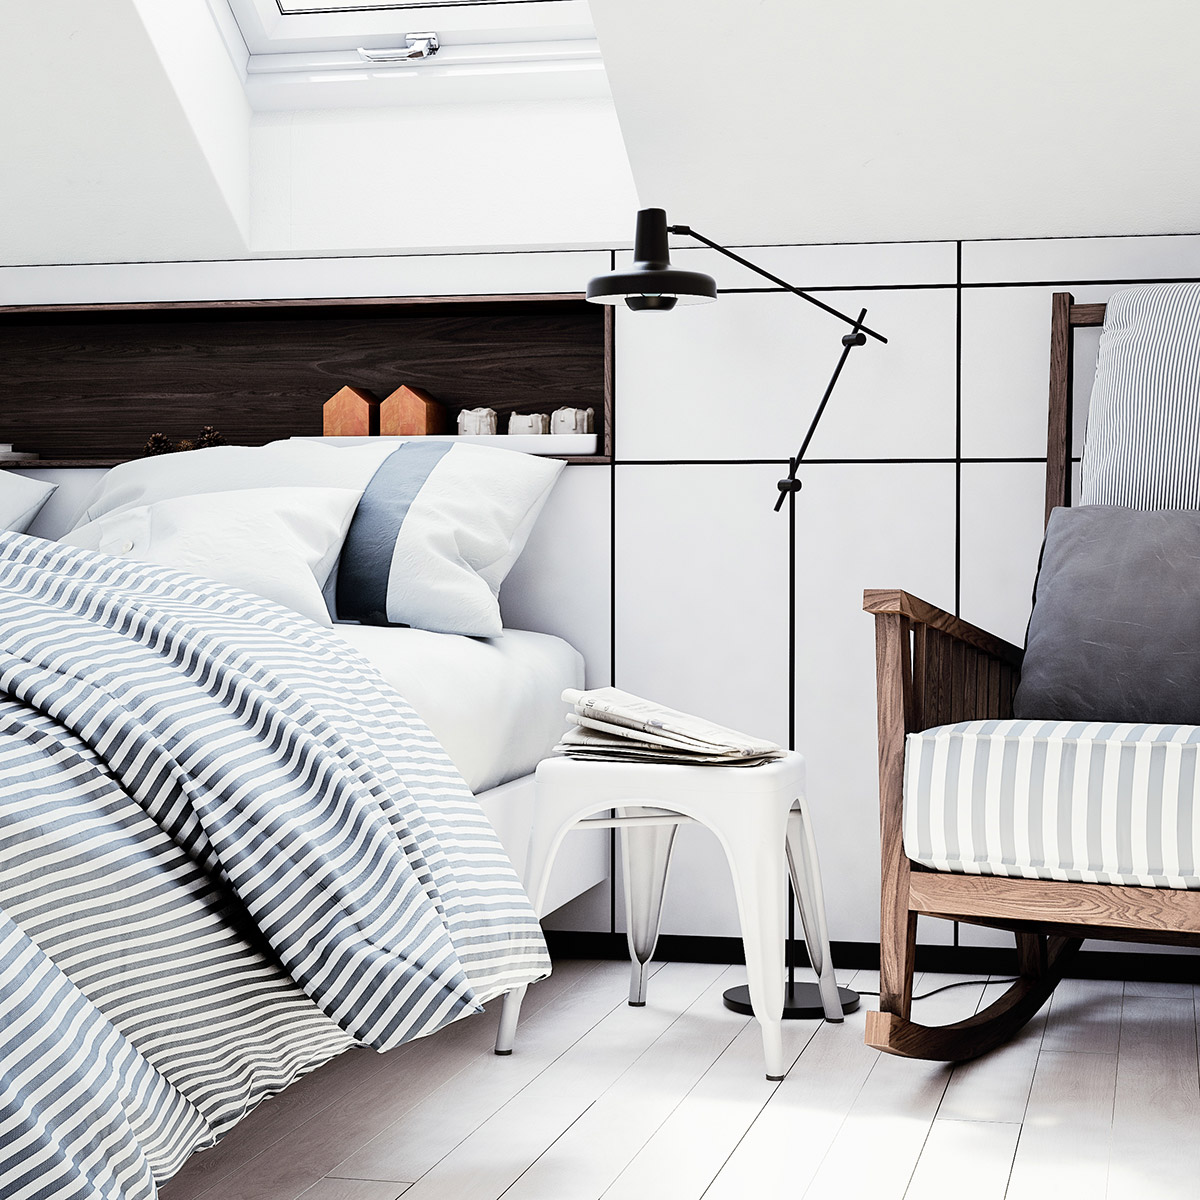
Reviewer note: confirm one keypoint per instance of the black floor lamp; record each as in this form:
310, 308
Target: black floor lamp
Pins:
653, 284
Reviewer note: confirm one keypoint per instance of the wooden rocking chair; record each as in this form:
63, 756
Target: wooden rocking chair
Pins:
935, 669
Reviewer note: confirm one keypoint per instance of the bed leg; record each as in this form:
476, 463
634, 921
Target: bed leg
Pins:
510, 1013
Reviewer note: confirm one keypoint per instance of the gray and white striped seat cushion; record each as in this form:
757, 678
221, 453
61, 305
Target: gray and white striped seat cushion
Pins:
1142, 448
1088, 802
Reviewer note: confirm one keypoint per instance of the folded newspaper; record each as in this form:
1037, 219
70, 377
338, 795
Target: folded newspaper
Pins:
613, 726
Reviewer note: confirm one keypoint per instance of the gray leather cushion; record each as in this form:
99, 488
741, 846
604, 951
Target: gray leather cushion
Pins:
1115, 630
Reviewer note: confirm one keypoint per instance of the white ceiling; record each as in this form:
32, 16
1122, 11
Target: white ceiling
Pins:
818, 121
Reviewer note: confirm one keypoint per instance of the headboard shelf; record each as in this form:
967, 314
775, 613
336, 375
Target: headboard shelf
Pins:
87, 384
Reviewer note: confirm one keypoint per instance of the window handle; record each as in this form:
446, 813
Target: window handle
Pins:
416, 46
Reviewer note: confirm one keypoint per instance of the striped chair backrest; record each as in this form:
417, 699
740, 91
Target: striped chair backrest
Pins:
1142, 447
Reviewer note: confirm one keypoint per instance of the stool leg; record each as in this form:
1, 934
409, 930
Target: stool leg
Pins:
646, 858
806, 881
543, 846
757, 865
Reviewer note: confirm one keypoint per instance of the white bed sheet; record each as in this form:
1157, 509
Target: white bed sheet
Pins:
494, 703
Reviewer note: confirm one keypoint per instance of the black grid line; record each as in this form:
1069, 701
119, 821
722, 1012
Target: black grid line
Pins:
624, 246
612, 598
958, 424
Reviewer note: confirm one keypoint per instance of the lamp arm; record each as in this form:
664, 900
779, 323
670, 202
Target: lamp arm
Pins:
688, 231
791, 485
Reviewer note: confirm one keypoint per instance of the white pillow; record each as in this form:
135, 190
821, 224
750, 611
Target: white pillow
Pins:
438, 528
280, 543
21, 498
287, 464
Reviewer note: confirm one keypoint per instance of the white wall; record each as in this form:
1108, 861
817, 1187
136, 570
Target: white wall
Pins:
457, 176
927, 474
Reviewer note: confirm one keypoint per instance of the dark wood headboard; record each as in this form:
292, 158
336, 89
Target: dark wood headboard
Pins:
88, 384
1066, 317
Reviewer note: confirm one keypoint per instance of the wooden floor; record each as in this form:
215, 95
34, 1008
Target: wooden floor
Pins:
1099, 1097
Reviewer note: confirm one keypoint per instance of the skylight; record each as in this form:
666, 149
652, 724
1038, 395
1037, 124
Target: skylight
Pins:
295, 6
306, 53
290, 26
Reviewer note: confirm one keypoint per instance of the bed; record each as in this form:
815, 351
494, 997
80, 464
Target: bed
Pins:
219, 868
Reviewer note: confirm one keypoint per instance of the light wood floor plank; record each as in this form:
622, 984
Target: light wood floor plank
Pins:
1064, 1146
670, 1103
1156, 1115
690, 1147
894, 1110
411, 1146
338, 1080
353, 1189
972, 1157
274, 1119
492, 1158
310, 1151
780, 1151
582, 1163
996, 1086
1085, 1015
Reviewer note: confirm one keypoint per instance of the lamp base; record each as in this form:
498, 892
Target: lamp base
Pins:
801, 1001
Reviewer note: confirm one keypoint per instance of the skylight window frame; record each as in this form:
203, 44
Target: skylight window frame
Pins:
267, 29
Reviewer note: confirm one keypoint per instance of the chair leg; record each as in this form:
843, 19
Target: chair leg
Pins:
646, 859
897, 954
806, 881
758, 880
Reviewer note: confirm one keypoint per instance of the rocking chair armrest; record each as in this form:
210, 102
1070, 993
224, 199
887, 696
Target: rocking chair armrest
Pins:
920, 612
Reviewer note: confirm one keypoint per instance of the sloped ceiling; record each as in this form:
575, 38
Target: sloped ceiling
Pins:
125, 134
820, 121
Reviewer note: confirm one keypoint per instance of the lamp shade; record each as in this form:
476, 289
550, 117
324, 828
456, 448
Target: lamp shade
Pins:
652, 283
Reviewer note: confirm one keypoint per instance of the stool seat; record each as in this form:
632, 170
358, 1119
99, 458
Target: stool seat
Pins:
759, 817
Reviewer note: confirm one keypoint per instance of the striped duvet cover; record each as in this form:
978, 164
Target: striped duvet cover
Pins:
228, 852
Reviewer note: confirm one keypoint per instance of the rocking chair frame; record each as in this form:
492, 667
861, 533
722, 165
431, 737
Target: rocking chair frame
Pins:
932, 669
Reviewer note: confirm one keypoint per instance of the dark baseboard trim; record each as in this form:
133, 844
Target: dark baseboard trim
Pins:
965, 960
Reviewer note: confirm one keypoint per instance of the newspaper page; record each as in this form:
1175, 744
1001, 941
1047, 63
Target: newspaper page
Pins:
609, 723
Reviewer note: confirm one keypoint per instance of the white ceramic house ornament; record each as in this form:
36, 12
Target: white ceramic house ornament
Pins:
529, 423
572, 420
477, 420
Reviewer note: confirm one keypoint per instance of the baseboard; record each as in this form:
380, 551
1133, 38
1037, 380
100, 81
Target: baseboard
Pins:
965, 960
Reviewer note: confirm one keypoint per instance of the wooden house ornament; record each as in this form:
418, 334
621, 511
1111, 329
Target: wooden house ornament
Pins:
351, 412
410, 411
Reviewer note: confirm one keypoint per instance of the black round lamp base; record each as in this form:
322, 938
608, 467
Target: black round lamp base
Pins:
801, 1001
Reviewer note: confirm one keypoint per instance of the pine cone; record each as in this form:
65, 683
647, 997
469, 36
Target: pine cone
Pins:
210, 436
185, 444
158, 443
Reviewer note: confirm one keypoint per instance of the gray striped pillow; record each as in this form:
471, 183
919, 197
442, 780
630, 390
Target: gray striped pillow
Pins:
1142, 448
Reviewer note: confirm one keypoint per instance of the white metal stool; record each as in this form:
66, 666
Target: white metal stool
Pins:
759, 817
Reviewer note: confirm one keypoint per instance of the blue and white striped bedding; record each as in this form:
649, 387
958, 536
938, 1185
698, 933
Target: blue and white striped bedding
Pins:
228, 852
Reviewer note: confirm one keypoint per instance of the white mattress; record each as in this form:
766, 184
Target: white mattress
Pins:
494, 703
